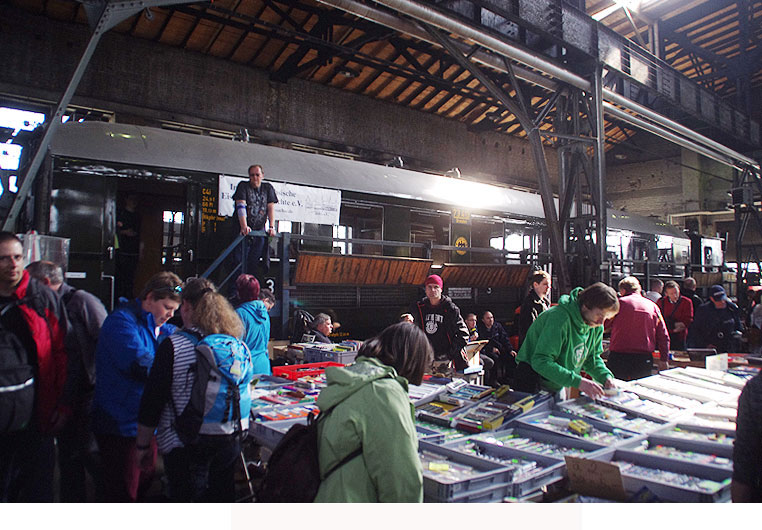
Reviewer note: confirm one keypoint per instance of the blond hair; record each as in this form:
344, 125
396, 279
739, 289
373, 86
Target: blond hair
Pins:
629, 284
214, 314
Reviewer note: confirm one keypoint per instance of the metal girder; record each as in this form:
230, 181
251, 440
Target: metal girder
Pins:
751, 179
290, 35
290, 67
520, 110
109, 14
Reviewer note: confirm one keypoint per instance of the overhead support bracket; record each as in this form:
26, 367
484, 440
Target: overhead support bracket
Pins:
103, 15
521, 111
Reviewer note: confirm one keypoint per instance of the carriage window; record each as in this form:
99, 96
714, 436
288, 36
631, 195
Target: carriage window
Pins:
516, 242
362, 221
171, 251
342, 232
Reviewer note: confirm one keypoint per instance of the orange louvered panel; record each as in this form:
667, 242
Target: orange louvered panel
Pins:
478, 275
323, 269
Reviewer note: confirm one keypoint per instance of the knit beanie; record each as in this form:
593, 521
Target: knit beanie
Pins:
434, 279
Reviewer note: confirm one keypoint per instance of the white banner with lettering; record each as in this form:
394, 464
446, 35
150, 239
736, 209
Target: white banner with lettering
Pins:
302, 204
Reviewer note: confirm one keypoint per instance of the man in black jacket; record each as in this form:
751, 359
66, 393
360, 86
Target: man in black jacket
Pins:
689, 291
440, 319
498, 348
77, 448
717, 323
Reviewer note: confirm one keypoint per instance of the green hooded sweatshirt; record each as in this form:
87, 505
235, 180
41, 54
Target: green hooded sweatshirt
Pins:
374, 412
559, 345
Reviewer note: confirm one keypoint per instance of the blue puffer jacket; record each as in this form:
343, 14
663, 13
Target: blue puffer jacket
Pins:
123, 357
256, 323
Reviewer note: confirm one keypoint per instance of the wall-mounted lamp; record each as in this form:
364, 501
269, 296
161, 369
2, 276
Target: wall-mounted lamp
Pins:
454, 172
346, 71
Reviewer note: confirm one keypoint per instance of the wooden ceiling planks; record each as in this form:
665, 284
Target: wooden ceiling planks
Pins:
340, 269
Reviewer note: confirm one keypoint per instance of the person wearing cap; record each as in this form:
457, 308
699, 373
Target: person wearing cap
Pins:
253, 312
717, 323
438, 316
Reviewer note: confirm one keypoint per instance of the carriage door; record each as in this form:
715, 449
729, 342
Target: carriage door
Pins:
83, 208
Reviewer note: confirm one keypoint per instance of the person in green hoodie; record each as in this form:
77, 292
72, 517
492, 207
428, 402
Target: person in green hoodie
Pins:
368, 408
566, 339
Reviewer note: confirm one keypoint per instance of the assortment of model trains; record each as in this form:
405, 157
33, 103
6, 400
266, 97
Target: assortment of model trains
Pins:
671, 433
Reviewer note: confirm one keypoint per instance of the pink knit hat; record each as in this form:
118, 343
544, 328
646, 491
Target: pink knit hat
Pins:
434, 279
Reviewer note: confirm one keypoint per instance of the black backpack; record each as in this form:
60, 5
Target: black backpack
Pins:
16, 381
293, 470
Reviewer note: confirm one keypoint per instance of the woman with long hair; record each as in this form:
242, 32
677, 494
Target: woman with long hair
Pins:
366, 410
199, 468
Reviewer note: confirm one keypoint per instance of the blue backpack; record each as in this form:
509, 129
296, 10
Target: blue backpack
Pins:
220, 402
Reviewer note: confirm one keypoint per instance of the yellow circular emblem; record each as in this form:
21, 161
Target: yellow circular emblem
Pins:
461, 242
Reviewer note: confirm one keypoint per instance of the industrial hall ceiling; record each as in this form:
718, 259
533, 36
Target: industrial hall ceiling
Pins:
370, 48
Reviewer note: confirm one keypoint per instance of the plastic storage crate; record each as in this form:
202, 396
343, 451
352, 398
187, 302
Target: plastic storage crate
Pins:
685, 450
705, 439
443, 433
450, 475
268, 382
587, 408
442, 412
295, 371
646, 408
494, 494
341, 357
269, 433
547, 469
601, 432
287, 413
537, 442
430, 435
716, 481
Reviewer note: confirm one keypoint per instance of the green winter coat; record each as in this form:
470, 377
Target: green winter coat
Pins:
559, 345
379, 416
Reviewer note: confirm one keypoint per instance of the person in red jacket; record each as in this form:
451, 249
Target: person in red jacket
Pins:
37, 318
636, 331
677, 311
